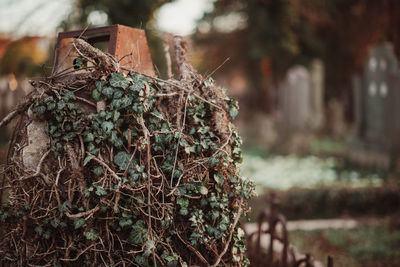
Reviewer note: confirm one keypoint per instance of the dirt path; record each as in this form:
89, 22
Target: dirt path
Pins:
309, 225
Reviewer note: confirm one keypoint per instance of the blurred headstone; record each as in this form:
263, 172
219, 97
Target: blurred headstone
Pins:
377, 103
296, 99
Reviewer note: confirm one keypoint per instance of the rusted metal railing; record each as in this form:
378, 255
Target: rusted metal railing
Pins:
272, 224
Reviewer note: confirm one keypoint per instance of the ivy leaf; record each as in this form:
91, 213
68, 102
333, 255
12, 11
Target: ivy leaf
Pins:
63, 207
39, 229
98, 170
47, 235
68, 95
125, 222
107, 126
139, 233
100, 191
233, 107
119, 80
87, 159
79, 222
118, 93
55, 222
52, 105
41, 109
140, 260
88, 136
96, 95
99, 85
108, 92
60, 105
150, 244
233, 112
203, 190
213, 162
91, 235
122, 160
183, 203
116, 115
219, 178
214, 214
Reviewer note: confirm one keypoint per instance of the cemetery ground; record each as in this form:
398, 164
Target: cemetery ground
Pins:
333, 207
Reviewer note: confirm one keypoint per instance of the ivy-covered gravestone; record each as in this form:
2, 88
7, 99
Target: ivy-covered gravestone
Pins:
148, 179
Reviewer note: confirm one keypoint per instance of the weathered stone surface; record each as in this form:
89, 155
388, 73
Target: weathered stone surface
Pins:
38, 144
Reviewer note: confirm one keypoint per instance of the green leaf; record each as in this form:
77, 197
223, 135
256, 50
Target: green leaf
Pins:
98, 170
60, 105
150, 245
215, 214
125, 222
63, 207
100, 191
79, 222
87, 159
140, 260
183, 211
233, 112
203, 190
96, 95
88, 136
47, 234
99, 85
122, 160
118, 93
107, 126
116, 116
138, 233
68, 95
119, 80
55, 222
219, 178
183, 203
39, 229
108, 92
91, 235
213, 162
52, 105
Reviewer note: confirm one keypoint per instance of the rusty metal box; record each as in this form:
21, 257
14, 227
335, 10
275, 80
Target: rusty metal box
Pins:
128, 45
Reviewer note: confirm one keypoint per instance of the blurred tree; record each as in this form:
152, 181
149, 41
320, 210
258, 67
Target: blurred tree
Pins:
138, 14
23, 57
258, 36
269, 36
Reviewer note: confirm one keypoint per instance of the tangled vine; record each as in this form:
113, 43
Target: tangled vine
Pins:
139, 172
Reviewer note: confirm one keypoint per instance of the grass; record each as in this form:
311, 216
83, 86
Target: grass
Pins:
366, 246
285, 172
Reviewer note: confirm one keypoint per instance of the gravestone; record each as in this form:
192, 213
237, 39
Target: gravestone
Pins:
296, 99
378, 97
127, 45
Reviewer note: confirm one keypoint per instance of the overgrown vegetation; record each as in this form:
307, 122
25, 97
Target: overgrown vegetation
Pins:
149, 178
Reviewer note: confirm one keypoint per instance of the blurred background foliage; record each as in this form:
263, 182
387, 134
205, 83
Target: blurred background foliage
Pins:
265, 38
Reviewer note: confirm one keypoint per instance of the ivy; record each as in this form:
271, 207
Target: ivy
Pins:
122, 160
194, 182
91, 235
138, 233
